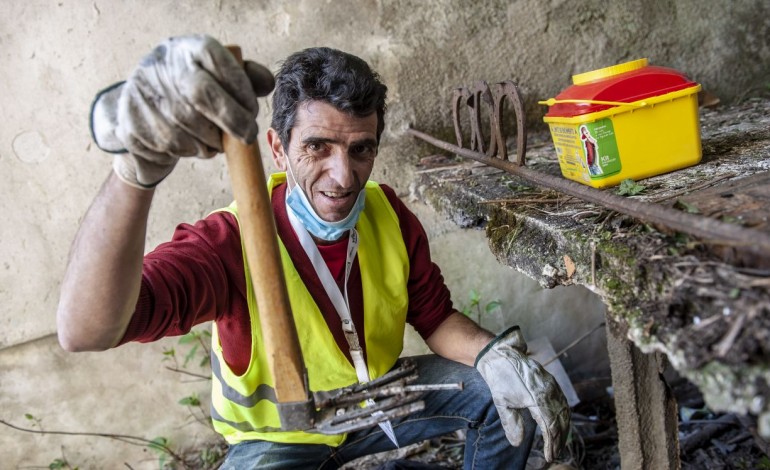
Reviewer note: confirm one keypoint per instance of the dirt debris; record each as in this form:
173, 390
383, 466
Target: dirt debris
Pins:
708, 440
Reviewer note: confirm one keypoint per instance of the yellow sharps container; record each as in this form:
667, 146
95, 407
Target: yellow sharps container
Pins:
630, 120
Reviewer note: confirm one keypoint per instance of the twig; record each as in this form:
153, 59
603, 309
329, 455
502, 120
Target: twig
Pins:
609, 216
694, 188
754, 272
584, 214
445, 167
707, 421
759, 282
707, 432
521, 201
181, 371
609, 435
204, 345
132, 440
740, 437
204, 419
707, 322
724, 346
751, 427
553, 214
572, 344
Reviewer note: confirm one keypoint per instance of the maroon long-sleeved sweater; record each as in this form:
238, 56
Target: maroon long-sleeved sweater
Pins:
198, 276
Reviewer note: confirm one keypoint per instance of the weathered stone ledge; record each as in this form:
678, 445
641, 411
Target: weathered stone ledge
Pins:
706, 306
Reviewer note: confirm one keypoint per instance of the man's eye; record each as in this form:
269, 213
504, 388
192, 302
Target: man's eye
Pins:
314, 147
361, 150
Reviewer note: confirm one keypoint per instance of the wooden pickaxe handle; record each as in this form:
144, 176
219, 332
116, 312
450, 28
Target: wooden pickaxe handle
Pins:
255, 213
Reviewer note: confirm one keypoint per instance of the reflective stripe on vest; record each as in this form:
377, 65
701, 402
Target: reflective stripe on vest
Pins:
243, 406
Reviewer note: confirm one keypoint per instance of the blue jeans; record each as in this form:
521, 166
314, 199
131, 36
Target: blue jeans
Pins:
486, 447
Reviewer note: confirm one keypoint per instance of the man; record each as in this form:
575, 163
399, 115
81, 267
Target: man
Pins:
352, 254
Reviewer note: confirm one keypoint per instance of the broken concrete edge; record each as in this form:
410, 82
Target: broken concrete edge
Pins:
725, 387
717, 381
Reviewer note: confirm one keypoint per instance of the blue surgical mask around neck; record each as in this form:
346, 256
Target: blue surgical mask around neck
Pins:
298, 203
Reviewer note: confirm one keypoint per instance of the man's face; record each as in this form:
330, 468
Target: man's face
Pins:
331, 154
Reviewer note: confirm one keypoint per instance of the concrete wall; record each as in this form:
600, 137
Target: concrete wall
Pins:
56, 55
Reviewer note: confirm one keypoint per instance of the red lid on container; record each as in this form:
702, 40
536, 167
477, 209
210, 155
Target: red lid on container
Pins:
624, 83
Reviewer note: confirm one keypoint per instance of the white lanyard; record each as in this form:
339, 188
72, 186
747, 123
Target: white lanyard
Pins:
340, 300
341, 303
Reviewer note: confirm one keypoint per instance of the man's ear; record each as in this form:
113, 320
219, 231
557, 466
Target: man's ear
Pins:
276, 148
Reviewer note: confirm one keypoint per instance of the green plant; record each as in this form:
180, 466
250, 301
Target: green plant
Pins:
191, 400
62, 463
197, 341
194, 403
474, 305
681, 242
629, 187
159, 445
686, 206
35, 421
211, 456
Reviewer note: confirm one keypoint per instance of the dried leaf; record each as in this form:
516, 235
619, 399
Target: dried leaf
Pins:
707, 99
648, 327
570, 266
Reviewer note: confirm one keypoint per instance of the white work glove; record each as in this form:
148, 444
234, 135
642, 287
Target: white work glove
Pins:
516, 382
176, 104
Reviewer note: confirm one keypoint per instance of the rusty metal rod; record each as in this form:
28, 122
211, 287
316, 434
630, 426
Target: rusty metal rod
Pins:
707, 229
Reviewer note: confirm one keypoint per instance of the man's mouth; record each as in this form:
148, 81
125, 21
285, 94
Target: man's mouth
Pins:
334, 205
336, 194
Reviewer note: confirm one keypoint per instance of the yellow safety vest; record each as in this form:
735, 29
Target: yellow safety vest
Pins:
243, 407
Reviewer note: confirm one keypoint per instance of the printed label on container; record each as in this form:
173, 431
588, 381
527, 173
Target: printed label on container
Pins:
587, 151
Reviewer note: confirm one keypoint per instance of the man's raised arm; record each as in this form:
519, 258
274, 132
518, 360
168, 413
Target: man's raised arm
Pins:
104, 272
175, 104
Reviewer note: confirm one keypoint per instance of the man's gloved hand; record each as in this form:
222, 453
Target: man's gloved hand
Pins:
176, 104
517, 381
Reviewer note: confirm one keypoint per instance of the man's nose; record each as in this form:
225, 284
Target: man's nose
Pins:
342, 169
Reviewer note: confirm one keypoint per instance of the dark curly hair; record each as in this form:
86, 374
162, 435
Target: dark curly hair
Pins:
329, 75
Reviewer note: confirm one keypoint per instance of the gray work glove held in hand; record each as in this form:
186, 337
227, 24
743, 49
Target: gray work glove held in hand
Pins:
176, 104
517, 381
